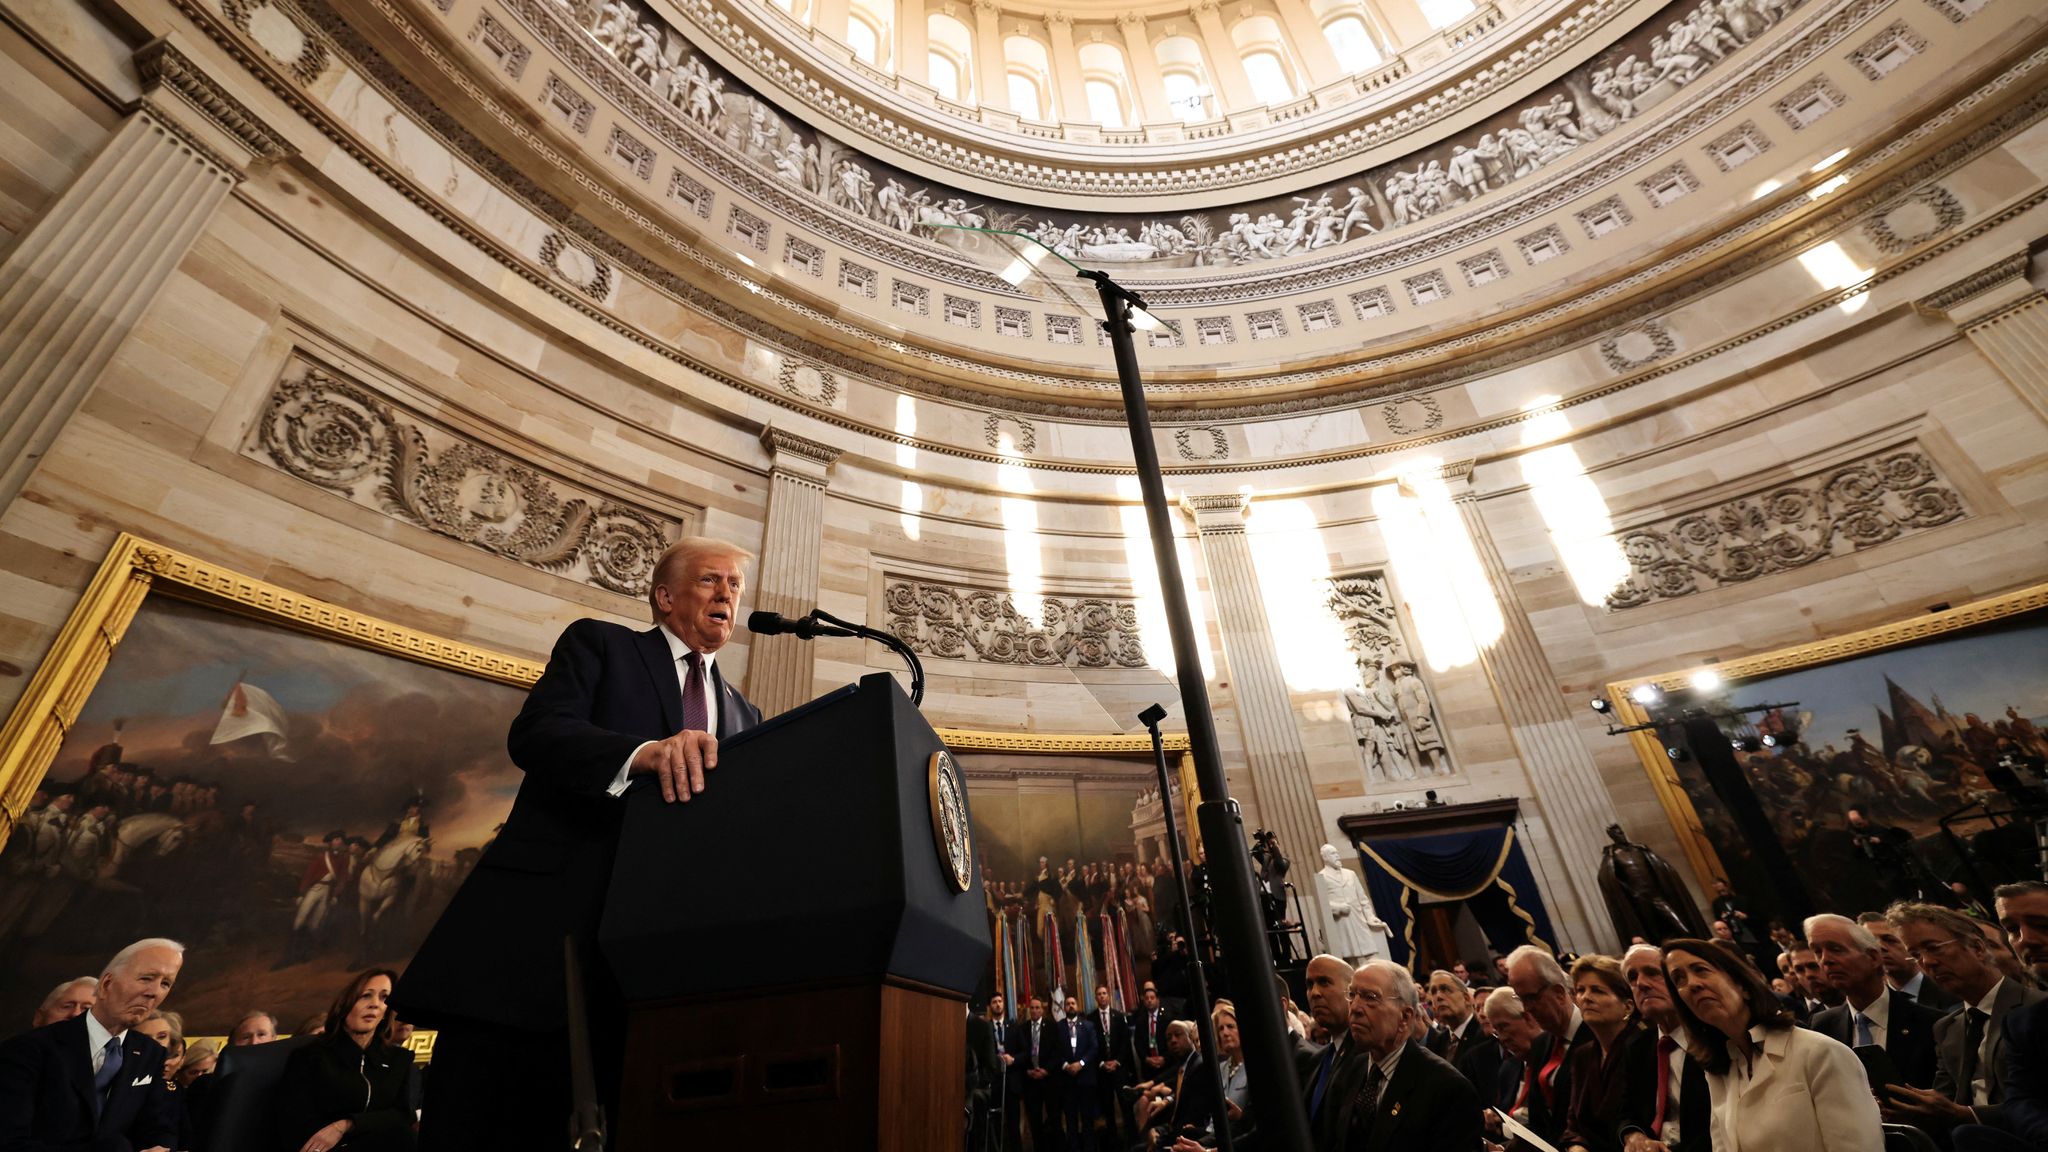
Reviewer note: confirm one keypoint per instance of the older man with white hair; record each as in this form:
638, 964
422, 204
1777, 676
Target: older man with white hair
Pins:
1871, 1014
1409, 1096
1546, 994
71, 998
93, 1081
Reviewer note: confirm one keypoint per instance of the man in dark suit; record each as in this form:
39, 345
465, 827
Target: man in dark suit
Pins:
1871, 1013
2023, 1125
1969, 1085
613, 705
1461, 1040
1408, 1097
1080, 1052
1328, 1074
1036, 1045
1901, 971
92, 1081
1119, 1059
1516, 1032
1667, 1088
1537, 978
1010, 1078
1148, 1033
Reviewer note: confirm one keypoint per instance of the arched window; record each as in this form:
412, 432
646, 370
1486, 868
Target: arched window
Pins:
864, 38
1106, 85
951, 48
1270, 84
1029, 67
1260, 46
1352, 44
1440, 13
1185, 79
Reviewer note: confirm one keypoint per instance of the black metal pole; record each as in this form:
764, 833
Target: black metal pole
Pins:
1238, 923
1725, 775
1150, 718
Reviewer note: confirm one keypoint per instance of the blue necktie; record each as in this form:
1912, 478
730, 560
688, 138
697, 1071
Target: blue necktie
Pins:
1315, 1099
110, 1068
1862, 1030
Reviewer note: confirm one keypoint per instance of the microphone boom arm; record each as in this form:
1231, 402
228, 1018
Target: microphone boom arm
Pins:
888, 640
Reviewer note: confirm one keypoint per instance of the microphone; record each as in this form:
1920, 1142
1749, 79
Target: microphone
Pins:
803, 627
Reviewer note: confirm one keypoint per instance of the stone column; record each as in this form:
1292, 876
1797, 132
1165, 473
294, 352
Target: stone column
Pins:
1149, 87
829, 17
1574, 803
1311, 47
992, 79
1066, 68
1226, 67
1265, 709
2006, 317
1404, 21
913, 50
1382, 31
80, 278
779, 667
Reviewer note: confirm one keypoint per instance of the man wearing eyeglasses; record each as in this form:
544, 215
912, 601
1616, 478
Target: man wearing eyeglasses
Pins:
1969, 1044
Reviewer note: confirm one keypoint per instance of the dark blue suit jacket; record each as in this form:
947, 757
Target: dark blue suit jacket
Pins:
1085, 1049
46, 1094
2026, 1074
496, 953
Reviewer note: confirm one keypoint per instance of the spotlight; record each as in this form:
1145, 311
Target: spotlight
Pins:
1746, 744
1646, 694
1769, 740
1706, 680
1601, 705
1678, 753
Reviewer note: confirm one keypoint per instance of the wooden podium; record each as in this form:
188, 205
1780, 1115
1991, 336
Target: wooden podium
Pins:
795, 946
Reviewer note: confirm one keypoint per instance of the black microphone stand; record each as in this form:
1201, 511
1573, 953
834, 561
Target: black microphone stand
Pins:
1150, 718
887, 639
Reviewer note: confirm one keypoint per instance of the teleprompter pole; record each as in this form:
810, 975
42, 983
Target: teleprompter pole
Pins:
1239, 924
1150, 718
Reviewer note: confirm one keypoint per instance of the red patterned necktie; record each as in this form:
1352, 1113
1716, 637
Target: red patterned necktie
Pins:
696, 716
1665, 1047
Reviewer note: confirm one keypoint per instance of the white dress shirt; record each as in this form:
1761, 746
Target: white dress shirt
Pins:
1879, 1012
677, 650
1980, 1081
1676, 1059
1799, 1091
96, 1037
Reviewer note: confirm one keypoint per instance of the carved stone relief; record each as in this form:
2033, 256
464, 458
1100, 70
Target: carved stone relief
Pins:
1412, 415
339, 435
1924, 214
282, 33
576, 265
1640, 344
979, 624
1883, 496
808, 382
1199, 444
1393, 714
1023, 439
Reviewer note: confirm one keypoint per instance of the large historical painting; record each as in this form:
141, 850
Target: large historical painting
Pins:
1910, 731
1071, 834
291, 805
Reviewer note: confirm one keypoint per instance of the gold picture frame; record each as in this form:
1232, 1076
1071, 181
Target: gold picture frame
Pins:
1678, 807
136, 568
1042, 744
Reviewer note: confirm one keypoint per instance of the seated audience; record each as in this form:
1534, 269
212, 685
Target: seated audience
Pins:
2023, 913
1901, 972
1465, 1043
347, 1089
1774, 1086
258, 1027
1968, 1082
199, 1061
1546, 994
1409, 1097
94, 1081
1665, 1079
1230, 1059
1181, 1101
71, 998
1517, 1032
1870, 1014
168, 1029
1599, 1101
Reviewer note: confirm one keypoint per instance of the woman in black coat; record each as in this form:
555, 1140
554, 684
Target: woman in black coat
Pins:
347, 1089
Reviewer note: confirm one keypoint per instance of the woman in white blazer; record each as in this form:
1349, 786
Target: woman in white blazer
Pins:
1774, 1087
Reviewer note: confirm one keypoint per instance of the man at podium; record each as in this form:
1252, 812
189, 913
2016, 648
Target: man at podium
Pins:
613, 705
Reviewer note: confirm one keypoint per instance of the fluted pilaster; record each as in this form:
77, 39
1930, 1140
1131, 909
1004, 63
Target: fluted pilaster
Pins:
79, 279
779, 668
1566, 784
1258, 688
2006, 317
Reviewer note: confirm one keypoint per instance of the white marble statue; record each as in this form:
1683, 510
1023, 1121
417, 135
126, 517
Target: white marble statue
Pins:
1353, 930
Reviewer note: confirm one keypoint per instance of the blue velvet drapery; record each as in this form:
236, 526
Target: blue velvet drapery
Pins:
1484, 867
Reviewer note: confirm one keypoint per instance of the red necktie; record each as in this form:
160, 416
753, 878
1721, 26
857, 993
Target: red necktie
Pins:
1665, 1047
696, 717
1547, 1079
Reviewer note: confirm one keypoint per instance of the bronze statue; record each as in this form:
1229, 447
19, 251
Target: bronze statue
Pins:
1644, 894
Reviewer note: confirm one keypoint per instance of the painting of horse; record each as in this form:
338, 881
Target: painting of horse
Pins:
290, 807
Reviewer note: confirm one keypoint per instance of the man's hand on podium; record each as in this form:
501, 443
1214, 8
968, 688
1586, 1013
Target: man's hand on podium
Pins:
679, 762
